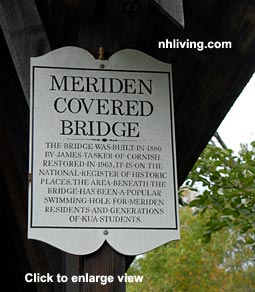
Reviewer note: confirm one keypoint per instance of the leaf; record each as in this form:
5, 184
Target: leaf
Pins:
245, 212
250, 241
228, 191
245, 229
207, 237
228, 212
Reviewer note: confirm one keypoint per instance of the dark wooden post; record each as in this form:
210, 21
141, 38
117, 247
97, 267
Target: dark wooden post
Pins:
106, 261
95, 32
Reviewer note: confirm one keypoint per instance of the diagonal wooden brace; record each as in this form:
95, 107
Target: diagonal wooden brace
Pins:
25, 36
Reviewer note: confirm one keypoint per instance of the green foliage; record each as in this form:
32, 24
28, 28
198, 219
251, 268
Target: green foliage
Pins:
226, 203
190, 265
228, 183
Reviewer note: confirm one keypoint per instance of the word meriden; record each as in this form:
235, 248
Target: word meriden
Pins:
101, 85
91, 104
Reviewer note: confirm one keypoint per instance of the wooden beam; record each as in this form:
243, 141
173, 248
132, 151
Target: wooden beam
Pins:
220, 61
173, 9
25, 36
117, 23
93, 33
200, 108
106, 261
12, 243
35, 253
14, 120
203, 103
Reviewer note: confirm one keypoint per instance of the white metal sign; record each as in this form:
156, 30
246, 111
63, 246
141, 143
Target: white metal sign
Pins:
102, 152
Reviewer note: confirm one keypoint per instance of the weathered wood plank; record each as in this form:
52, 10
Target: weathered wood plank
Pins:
14, 116
72, 267
106, 261
11, 244
34, 251
94, 33
204, 99
205, 102
220, 61
172, 8
24, 34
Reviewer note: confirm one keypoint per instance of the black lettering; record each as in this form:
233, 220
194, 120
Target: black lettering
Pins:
87, 109
131, 106
129, 86
107, 128
56, 103
132, 128
74, 105
101, 103
116, 106
113, 85
66, 127
55, 83
146, 110
145, 86
80, 125
76, 83
91, 82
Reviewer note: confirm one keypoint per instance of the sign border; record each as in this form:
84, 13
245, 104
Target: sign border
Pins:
171, 112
